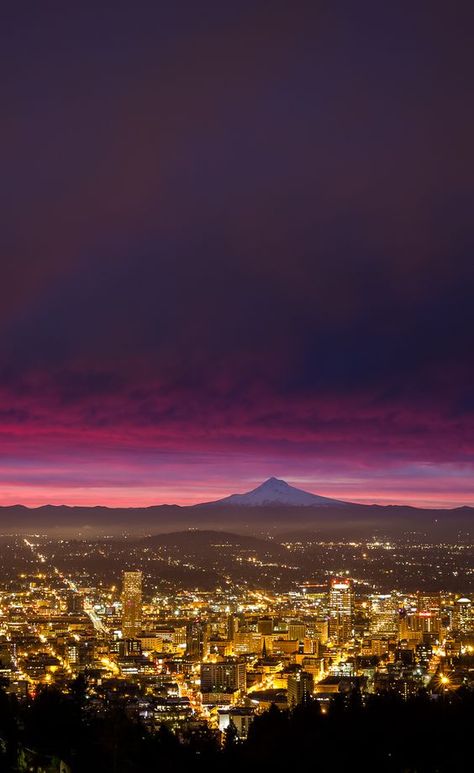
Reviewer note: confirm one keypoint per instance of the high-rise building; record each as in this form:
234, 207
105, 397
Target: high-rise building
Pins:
296, 630
232, 627
462, 617
318, 629
218, 677
129, 647
265, 626
246, 641
74, 603
429, 602
132, 604
384, 613
300, 687
413, 626
341, 607
196, 639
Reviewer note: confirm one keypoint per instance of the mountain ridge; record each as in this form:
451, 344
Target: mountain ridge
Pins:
274, 492
272, 505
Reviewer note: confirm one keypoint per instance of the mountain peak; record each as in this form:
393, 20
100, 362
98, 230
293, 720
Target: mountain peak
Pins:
274, 483
277, 492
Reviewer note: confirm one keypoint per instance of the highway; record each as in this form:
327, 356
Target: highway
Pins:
70, 585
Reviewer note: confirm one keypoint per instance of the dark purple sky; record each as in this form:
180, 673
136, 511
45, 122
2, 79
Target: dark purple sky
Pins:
237, 241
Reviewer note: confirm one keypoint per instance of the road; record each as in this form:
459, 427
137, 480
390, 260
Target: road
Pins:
70, 585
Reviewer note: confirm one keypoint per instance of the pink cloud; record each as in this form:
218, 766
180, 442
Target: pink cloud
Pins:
159, 445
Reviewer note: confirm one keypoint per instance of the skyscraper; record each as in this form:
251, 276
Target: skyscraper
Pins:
265, 626
74, 603
196, 639
341, 606
462, 617
132, 604
227, 675
232, 627
383, 614
300, 688
296, 630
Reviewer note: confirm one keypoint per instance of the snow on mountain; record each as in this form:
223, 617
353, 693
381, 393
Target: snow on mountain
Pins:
277, 492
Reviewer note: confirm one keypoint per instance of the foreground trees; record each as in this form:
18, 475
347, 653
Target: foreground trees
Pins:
374, 733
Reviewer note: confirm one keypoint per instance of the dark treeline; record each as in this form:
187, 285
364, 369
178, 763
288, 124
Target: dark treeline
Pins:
376, 733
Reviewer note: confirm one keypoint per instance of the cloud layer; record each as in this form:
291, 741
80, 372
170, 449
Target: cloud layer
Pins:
237, 242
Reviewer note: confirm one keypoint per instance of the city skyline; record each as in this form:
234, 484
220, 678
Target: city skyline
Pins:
196, 645
237, 244
236, 386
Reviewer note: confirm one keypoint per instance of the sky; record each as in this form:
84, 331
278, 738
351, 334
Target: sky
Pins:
236, 242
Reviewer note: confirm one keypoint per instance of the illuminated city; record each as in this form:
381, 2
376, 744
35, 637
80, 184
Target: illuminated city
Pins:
199, 636
237, 386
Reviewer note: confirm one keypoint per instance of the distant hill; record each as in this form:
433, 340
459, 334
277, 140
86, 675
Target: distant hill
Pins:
274, 506
197, 538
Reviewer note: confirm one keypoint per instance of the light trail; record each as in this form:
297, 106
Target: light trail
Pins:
88, 607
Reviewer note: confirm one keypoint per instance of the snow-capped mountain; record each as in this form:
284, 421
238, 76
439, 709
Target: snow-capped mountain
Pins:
277, 492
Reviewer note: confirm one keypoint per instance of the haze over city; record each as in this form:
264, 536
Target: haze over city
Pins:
236, 386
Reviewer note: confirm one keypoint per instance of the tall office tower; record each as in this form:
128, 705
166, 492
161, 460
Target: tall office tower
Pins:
196, 640
318, 629
265, 626
132, 604
429, 602
428, 613
296, 630
129, 647
384, 614
246, 641
462, 617
414, 626
232, 627
218, 677
341, 606
300, 687
74, 603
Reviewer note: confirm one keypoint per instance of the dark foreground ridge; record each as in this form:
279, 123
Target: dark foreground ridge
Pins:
57, 732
